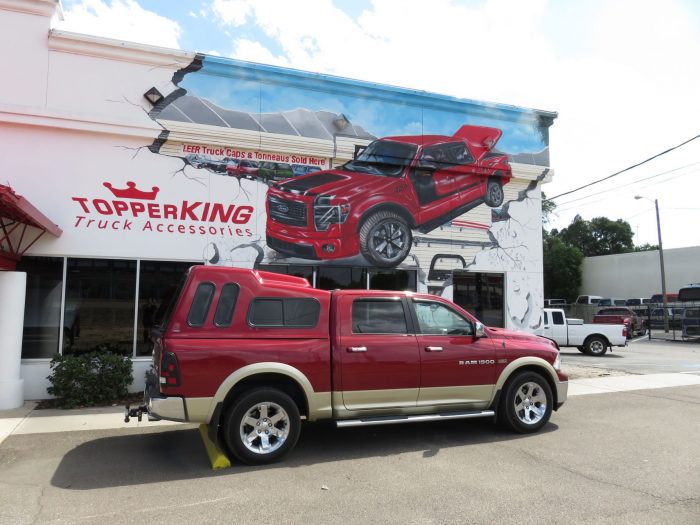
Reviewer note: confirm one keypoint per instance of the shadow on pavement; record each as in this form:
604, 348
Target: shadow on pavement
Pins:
161, 456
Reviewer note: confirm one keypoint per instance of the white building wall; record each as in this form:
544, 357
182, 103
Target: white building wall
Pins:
638, 274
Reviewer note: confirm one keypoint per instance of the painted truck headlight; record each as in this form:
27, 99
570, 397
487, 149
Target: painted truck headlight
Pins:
329, 210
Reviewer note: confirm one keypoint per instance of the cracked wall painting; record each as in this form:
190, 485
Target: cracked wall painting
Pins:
253, 164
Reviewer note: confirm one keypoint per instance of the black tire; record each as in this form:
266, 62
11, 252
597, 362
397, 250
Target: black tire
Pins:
385, 239
261, 407
526, 404
596, 345
581, 349
494, 193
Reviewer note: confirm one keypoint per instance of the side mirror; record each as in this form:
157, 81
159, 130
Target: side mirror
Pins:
479, 330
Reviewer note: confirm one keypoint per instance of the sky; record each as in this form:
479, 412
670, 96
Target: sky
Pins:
623, 76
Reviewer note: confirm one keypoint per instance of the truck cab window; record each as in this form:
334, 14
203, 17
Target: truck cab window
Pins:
546, 318
557, 318
438, 319
378, 317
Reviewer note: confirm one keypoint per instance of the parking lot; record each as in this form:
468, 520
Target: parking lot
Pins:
620, 457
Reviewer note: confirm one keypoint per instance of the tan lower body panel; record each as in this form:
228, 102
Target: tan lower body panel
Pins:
451, 395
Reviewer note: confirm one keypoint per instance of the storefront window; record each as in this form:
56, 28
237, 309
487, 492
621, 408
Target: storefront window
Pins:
101, 293
400, 280
333, 277
42, 308
157, 282
481, 294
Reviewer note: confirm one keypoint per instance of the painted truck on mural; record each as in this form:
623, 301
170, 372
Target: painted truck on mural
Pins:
395, 185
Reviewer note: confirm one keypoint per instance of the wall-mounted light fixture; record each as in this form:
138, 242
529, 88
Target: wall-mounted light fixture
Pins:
153, 96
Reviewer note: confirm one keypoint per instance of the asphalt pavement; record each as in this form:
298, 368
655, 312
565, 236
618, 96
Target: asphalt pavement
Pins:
621, 457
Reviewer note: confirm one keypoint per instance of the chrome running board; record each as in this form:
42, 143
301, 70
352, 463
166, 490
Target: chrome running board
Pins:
395, 420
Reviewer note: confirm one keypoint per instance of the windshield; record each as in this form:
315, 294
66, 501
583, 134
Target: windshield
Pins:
383, 157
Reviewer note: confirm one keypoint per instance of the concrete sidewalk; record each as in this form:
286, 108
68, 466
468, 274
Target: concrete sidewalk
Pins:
27, 420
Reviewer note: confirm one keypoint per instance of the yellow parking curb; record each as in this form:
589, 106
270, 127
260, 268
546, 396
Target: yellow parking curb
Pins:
216, 457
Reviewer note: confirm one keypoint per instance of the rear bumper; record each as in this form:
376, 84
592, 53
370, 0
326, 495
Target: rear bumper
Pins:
163, 407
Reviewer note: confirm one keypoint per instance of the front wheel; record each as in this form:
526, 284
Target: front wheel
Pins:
527, 403
596, 345
494, 194
262, 426
385, 239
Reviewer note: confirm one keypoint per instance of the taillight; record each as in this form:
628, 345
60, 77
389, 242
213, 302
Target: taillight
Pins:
169, 370
624, 331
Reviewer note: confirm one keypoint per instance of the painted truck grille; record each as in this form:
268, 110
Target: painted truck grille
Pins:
287, 212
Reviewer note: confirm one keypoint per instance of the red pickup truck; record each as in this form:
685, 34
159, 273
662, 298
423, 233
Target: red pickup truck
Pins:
622, 315
254, 353
395, 185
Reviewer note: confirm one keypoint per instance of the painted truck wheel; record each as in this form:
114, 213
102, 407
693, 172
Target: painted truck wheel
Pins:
494, 193
385, 239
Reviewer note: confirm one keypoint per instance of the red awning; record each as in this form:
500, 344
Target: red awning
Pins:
21, 225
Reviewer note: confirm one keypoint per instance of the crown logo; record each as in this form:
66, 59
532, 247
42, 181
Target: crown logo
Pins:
131, 192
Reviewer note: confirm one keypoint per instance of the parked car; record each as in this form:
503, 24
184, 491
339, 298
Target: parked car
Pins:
621, 315
612, 301
300, 169
588, 299
244, 168
197, 161
275, 171
220, 165
587, 338
555, 303
690, 322
689, 293
658, 298
395, 185
638, 301
252, 354
656, 317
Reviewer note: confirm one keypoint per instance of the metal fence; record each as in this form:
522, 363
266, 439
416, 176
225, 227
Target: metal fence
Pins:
683, 318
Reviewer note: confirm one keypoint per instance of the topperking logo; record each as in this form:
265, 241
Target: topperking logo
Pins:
131, 209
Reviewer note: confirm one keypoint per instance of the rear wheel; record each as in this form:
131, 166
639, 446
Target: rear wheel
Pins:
494, 193
595, 345
527, 403
262, 426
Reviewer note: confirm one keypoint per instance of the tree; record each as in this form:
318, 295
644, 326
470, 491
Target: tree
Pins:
599, 236
562, 268
646, 247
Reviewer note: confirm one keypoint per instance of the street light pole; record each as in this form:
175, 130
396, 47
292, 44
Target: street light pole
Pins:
661, 261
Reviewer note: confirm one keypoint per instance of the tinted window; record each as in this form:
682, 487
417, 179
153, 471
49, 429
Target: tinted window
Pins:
266, 312
557, 318
438, 319
226, 305
378, 317
284, 312
200, 304
546, 318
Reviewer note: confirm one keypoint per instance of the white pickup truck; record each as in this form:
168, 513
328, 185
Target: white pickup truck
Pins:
591, 339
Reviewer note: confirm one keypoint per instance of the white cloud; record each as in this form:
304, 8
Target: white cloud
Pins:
625, 84
121, 20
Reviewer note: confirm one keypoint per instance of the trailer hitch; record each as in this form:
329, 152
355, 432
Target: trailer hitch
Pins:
134, 412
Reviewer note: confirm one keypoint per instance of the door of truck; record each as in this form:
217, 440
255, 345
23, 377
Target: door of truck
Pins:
555, 326
456, 367
378, 353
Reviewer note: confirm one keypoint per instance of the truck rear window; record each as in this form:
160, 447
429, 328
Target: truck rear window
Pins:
284, 312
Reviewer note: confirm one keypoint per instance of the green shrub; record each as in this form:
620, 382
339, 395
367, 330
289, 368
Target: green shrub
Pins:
89, 379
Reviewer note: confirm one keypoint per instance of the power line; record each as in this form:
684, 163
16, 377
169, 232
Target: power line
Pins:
626, 169
628, 184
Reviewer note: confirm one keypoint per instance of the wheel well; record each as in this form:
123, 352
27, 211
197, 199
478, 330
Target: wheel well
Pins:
388, 207
270, 380
539, 371
605, 339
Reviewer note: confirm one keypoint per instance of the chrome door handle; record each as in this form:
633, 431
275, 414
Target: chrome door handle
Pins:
357, 349
433, 349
